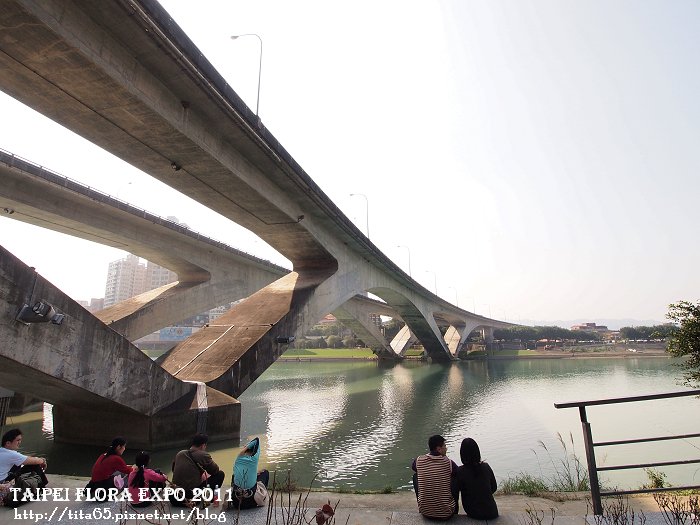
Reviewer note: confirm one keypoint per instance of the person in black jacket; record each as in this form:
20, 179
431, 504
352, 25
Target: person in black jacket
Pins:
476, 483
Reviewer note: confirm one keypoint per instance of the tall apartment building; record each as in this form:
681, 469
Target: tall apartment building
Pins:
158, 276
125, 278
129, 277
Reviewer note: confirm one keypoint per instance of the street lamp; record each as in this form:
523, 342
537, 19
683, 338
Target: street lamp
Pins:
456, 296
473, 305
234, 37
434, 279
366, 208
409, 258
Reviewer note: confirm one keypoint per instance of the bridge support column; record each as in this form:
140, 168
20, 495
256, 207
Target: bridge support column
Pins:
357, 320
403, 340
487, 332
452, 340
466, 331
172, 427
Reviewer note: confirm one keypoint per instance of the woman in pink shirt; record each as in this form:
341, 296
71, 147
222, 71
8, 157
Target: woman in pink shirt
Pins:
142, 477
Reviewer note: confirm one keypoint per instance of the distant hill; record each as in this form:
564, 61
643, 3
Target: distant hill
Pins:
612, 324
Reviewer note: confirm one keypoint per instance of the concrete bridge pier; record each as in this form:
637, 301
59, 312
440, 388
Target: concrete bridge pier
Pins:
403, 340
465, 331
487, 333
99, 383
356, 318
452, 339
174, 426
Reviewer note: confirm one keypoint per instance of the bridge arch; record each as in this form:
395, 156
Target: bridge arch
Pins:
419, 320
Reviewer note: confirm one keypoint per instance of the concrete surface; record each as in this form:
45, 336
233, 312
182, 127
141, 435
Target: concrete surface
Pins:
352, 509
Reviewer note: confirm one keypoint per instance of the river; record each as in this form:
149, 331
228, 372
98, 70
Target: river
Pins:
357, 425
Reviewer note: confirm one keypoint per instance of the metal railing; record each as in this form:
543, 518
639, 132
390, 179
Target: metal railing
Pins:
590, 445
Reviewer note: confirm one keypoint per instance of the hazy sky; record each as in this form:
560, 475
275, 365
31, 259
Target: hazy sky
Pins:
539, 159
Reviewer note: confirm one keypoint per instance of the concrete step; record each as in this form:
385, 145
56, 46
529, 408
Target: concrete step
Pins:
352, 509
86, 513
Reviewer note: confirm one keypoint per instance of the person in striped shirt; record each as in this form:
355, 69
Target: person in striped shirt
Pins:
434, 481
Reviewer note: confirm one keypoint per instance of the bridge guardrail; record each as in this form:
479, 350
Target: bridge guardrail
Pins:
66, 182
590, 445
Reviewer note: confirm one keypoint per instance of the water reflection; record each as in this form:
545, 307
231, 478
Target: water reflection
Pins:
359, 424
47, 421
368, 445
301, 414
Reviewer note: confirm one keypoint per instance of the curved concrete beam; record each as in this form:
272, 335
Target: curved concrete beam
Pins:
210, 273
355, 315
74, 353
119, 74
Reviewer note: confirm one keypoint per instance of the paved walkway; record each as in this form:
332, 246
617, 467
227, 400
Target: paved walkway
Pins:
352, 509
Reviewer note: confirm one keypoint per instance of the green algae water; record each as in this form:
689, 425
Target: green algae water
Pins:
357, 425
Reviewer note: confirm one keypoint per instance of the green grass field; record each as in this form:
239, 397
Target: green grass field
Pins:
335, 353
504, 353
329, 353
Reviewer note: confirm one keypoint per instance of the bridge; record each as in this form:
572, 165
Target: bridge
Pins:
123, 75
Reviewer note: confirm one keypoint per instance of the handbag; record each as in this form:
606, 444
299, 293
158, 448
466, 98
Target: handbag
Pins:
261, 496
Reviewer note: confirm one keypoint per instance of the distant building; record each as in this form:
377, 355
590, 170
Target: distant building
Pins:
217, 312
328, 319
96, 304
158, 276
129, 277
589, 327
125, 278
376, 320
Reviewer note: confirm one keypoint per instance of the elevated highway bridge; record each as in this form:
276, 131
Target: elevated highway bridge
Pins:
123, 75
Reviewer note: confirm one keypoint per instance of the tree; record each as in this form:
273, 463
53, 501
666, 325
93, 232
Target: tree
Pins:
333, 341
686, 340
302, 342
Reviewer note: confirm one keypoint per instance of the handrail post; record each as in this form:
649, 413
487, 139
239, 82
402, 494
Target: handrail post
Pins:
590, 460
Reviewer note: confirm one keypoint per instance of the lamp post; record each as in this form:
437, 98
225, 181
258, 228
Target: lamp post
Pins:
409, 258
473, 305
434, 280
366, 208
234, 37
456, 296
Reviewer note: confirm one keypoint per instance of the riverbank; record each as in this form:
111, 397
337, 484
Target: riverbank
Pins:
578, 354
353, 509
365, 354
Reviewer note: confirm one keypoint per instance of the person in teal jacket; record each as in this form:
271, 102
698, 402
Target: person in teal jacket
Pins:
246, 475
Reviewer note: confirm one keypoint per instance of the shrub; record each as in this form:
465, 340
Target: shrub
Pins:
524, 483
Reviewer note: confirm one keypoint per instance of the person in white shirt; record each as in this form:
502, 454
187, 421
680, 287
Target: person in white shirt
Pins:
10, 457
11, 441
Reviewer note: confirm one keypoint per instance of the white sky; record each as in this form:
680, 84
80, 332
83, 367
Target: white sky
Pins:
538, 158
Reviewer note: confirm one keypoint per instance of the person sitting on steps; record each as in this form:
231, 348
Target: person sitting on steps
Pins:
434, 481
107, 467
246, 476
19, 464
143, 477
194, 468
476, 482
